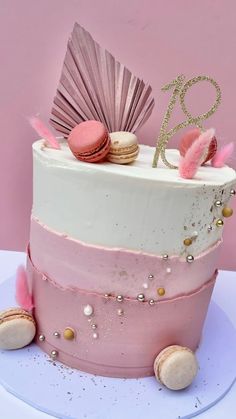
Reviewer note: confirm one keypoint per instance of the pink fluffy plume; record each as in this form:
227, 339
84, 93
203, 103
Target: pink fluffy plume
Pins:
44, 132
195, 155
223, 155
23, 296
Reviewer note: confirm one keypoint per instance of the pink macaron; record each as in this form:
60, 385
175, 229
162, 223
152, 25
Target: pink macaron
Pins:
89, 141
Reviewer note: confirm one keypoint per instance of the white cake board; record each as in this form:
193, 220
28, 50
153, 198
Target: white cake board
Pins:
65, 393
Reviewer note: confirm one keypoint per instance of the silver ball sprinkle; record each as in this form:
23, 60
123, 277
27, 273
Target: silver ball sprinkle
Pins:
209, 229
150, 276
106, 295
41, 338
190, 258
141, 297
56, 334
232, 192
94, 326
95, 335
151, 302
54, 354
218, 203
119, 298
194, 234
165, 256
120, 312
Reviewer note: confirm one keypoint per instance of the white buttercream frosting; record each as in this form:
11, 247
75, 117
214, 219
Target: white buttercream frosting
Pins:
133, 206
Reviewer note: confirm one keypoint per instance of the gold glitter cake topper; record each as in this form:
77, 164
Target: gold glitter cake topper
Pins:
180, 90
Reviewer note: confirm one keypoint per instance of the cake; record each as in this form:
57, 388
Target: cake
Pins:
108, 259
125, 238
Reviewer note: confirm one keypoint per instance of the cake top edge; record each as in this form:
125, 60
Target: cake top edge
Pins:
141, 168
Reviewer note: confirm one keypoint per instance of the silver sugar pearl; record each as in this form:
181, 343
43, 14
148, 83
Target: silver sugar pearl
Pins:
54, 354
165, 256
120, 312
119, 298
151, 302
41, 338
94, 326
189, 258
141, 297
95, 335
56, 334
150, 276
106, 295
218, 203
232, 192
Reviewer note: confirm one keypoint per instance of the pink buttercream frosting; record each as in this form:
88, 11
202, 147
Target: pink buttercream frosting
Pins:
74, 264
127, 335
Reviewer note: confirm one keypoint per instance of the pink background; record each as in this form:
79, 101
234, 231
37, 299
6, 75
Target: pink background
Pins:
156, 39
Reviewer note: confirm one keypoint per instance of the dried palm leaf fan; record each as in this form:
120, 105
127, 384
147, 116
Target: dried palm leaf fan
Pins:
93, 85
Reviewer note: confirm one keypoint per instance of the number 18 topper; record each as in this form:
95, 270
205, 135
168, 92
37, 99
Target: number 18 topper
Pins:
180, 90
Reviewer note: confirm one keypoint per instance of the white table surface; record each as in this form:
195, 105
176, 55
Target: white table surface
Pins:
224, 295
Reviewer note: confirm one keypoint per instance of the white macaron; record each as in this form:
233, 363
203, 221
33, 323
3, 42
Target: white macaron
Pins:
176, 367
17, 328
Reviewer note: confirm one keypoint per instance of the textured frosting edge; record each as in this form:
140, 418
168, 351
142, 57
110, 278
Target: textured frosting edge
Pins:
75, 289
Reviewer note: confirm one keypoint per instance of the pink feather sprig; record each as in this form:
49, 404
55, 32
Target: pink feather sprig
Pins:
195, 155
222, 155
23, 296
44, 132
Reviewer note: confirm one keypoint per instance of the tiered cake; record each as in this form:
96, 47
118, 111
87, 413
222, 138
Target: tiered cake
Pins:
122, 258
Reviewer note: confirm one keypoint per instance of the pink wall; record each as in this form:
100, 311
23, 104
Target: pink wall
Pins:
156, 39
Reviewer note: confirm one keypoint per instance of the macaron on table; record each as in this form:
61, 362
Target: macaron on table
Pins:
17, 328
124, 237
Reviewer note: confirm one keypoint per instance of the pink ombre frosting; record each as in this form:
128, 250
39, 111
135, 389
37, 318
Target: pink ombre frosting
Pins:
74, 264
124, 345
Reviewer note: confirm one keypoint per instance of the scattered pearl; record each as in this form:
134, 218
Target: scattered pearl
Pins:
94, 326
120, 312
41, 338
151, 302
168, 270
106, 295
88, 310
54, 354
161, 291
119, 298
218, 203
219, 223
189, 258
150, 276
95, 335
69, 333
195, 235
56, 334
141, 297
187, 242
145, 285
232, 192
227, 212
165, 256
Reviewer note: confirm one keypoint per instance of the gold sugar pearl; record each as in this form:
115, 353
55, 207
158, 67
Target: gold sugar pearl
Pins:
219, 223
188, 242
227, 212
161, 291
69, 333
